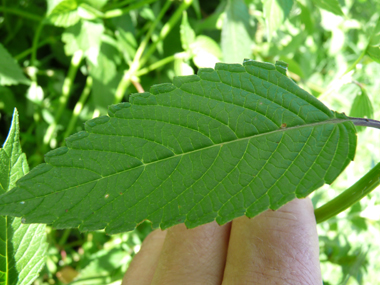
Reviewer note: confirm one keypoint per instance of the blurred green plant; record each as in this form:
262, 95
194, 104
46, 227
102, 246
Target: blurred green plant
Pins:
64, 62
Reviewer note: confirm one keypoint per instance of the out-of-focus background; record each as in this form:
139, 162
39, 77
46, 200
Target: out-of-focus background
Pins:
62, 62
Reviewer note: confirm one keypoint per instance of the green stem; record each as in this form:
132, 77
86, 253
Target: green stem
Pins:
136, 60
30, 50
79, 106
352, 66
7, 24
365, 122
125, 81
64, 237
166, 29
21, 13
35, 43
338, 78
123, 85
349, 197
118, 12
66, 88
118, 4
155, 65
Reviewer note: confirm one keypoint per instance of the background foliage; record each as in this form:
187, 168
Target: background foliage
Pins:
64, 61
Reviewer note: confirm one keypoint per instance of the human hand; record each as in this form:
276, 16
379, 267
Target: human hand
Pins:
275, 247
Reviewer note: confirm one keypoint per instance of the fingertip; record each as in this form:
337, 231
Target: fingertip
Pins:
276, 246
142, 267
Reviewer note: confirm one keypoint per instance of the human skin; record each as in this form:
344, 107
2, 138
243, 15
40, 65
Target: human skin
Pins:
275, 247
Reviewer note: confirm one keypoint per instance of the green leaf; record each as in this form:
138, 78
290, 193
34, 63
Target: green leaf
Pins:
306, 18
362, 107
182, 68
85, 36
126, 37
186, 32
105, 75
64, 13
293, 66
332, 6
87, 12
7, 100
275, 14
373, 49
22, 247
103, 269
97, 4
206, 52
236, 41
10, 71
233, 141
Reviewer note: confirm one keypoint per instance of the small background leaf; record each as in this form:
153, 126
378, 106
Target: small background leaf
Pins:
203, 49
22, 247
105, 75
236, 40
373, 49
85, 36
103, 269
206, 52
186, 32
97, 4
332, 6
275, 13
63, 13
10, 72
362, 107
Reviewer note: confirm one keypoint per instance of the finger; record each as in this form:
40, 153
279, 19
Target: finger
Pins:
143, 265
193, 256
276, 247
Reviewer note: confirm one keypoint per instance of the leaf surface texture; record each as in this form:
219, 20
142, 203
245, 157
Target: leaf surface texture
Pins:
233, 141
22, 247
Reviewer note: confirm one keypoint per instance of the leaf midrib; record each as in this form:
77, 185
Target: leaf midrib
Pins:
331, 121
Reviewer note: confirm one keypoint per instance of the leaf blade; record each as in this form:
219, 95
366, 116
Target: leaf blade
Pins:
200, 149
275, 13
10, 71
22, 247
236, 40
63, 13
332, 6
373, 48
85, 36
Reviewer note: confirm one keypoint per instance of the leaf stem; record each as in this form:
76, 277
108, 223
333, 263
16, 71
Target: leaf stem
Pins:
66, 88
79, 106
118, 5
123, 85
125, 81
21, 13
30, 50
35, 43
352, 66
7, 24
64, 237
365, 122
339, 78
350, 196
166, 29
118, 12
156, 65
135, 64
